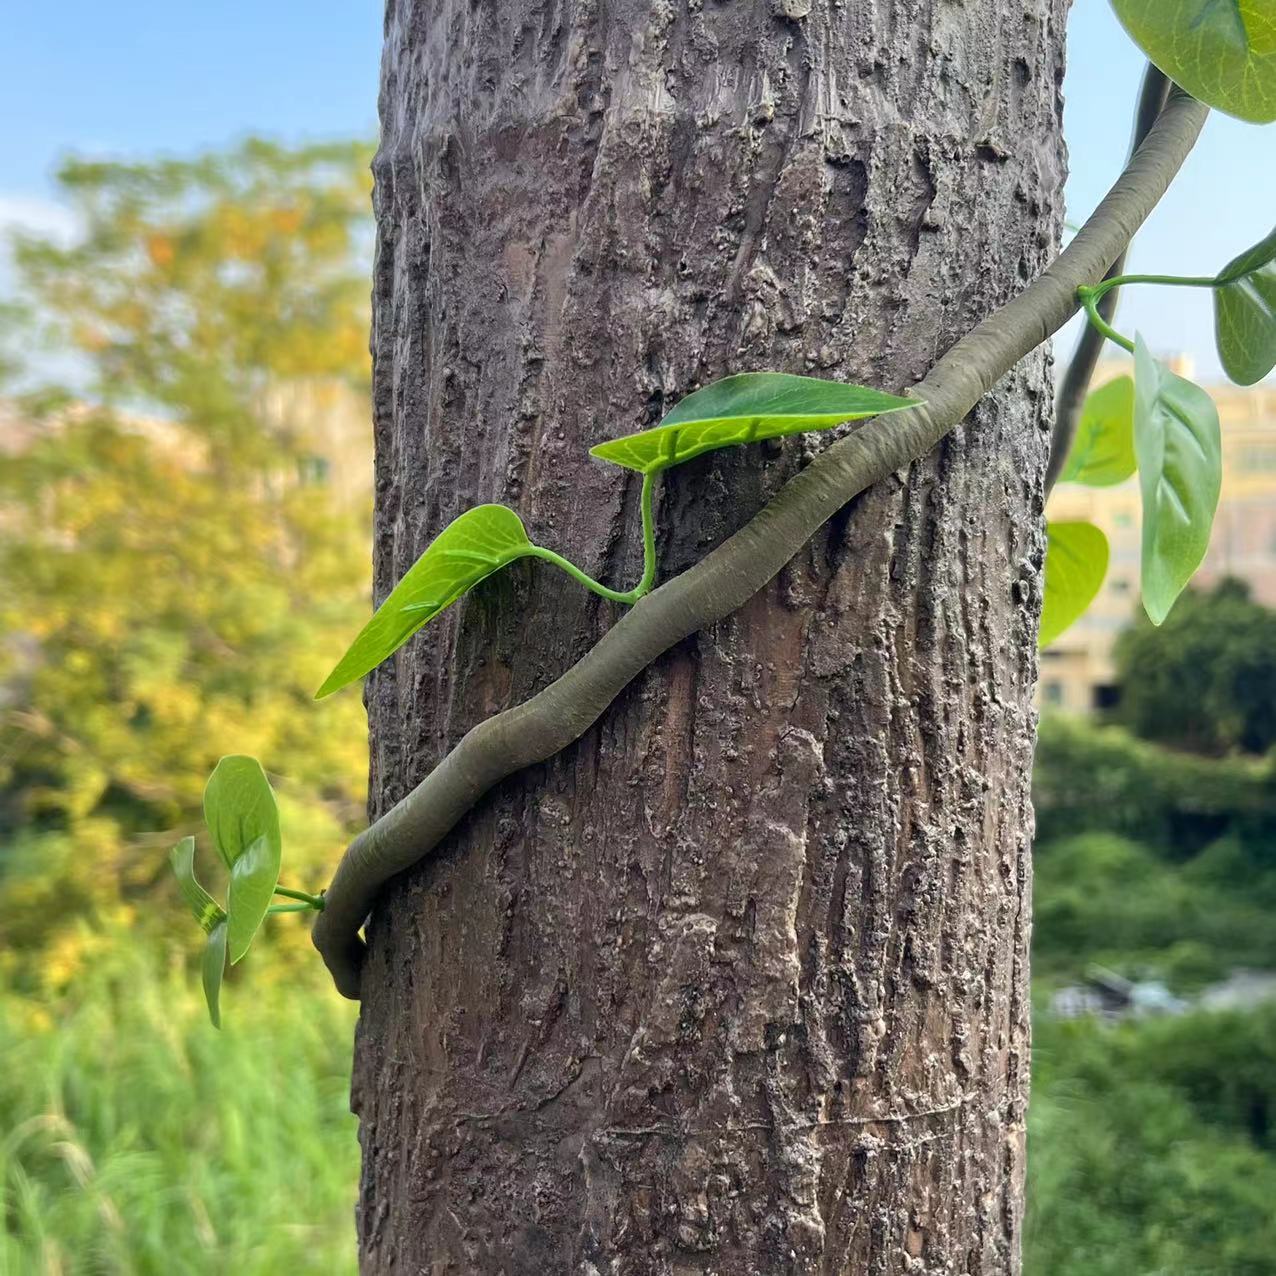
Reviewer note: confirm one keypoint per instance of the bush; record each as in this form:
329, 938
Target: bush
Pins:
1145, 1154
1206, 679
1092, 778
1101, 898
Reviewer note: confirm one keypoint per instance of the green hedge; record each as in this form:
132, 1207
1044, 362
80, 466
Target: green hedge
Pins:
1091, 778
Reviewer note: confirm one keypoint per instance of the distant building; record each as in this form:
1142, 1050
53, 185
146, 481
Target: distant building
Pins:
330, 426
1106, 995
1077, 672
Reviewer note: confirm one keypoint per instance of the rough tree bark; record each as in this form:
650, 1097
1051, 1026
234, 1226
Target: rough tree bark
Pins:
738, 984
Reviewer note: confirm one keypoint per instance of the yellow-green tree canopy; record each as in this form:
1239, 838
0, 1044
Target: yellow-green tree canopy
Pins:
177, 563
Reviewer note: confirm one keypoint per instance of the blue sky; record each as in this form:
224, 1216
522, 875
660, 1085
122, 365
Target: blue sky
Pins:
139, 76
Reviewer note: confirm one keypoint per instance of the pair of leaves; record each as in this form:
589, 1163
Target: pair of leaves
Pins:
212, 919
1245, 313
1077, 553
738, 409
1221, 51
1168, 429
243, 820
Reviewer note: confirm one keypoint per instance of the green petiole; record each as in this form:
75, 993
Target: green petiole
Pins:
629, 597
1090, 297
314, 902
1090, 300
1172, 281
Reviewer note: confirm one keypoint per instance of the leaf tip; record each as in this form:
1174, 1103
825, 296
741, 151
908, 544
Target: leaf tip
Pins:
329, 686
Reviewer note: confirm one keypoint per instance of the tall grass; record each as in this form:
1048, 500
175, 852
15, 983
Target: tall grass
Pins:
135, 1139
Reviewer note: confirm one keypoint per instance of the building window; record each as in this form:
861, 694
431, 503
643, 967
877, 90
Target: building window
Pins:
1257, 459
1106, 696
313, 469
1052, 693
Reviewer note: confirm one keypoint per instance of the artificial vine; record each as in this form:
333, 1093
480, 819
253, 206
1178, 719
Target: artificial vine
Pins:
1156, 424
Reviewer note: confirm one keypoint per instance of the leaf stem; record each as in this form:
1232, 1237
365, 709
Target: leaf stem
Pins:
1091, 303
648, 537
310, 901
630, 596
1075, 383
1174, 281
289, 908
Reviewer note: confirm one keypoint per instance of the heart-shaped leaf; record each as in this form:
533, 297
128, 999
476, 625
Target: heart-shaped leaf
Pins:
1179, 445
743, 409
1245, 314
208, 912
1221, 51
478, 543
1103, 451
240, 811
214, 969
1076, 566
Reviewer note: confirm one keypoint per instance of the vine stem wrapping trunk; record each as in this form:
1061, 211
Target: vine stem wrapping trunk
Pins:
738, 983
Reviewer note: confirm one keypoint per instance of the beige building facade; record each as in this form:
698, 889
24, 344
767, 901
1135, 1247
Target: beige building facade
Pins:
1077, 671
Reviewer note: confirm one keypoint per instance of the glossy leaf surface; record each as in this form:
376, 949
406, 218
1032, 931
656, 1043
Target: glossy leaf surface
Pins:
240, 811
744, 409
208, 912
1102, 453
1179, 446
471, 547
1076, 567
214, 967
1245, 314
1221, 51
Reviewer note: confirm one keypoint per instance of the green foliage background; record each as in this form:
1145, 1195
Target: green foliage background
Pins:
176, 578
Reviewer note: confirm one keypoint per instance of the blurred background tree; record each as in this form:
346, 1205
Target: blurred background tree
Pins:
179, 559
1205, 680
1153, 1136
184, 519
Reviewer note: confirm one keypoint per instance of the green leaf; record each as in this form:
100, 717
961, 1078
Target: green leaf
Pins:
471, 547
240, 811
1179, 445
1103, 452
214, 969
1245, 314
743, 409
1221, 51
208, 912
1076, 565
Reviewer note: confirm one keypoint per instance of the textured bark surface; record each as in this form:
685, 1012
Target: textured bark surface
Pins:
737, 984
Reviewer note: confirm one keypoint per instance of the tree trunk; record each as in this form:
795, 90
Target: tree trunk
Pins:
738, 984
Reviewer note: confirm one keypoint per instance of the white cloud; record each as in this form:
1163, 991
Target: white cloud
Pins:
38, 215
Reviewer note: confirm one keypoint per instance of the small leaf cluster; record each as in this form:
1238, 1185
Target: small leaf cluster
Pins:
243, 822
1167, 429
